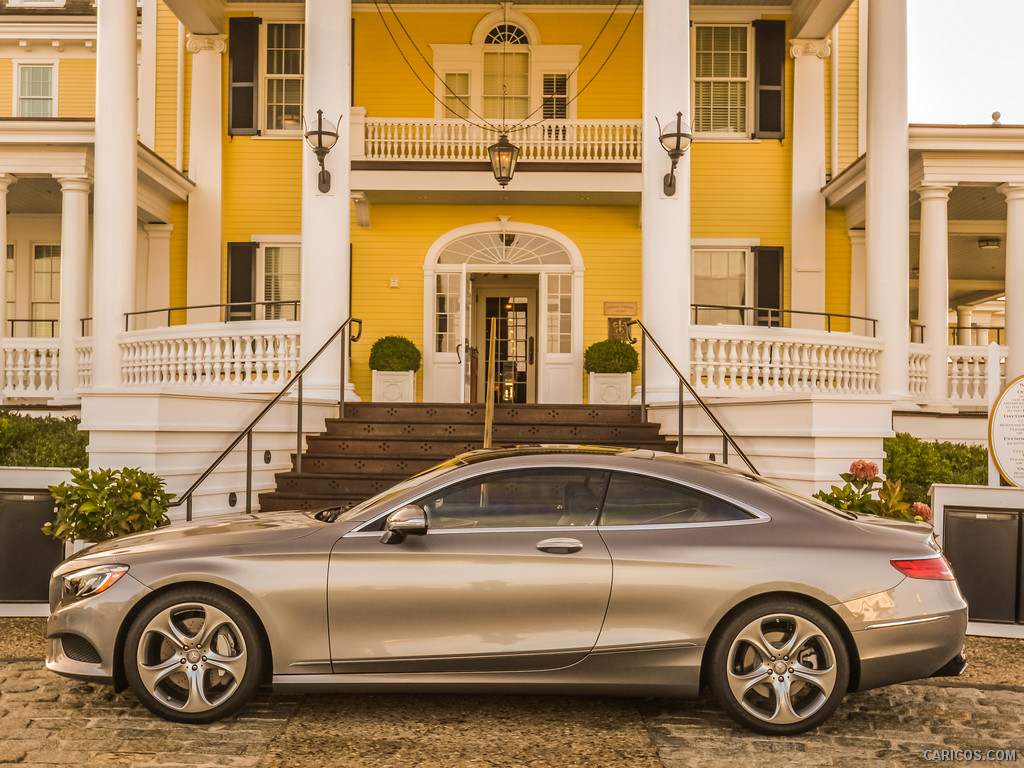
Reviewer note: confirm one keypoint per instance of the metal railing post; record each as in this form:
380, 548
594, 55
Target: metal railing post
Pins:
248, 472
725, 450
341, 394
489, 404
679, 443
643, 376
188, 509
298, 428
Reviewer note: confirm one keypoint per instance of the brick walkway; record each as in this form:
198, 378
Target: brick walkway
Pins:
48, 720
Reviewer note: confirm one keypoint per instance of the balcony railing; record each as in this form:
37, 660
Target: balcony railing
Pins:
401, 138
30, 368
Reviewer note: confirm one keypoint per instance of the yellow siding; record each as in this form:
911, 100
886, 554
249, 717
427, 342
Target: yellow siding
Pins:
167, 83
742, 190
76, 88
849, 109
6, 88
179, 257
396, 246
837, 266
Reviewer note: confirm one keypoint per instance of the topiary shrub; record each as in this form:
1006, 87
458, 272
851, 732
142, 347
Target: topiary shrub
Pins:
919, 464
101, 504
394, 353
610, 356
31, 441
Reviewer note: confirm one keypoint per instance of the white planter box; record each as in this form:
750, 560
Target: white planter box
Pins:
394, 386
610, 388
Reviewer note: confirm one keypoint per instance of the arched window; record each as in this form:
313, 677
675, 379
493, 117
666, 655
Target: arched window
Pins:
506, 74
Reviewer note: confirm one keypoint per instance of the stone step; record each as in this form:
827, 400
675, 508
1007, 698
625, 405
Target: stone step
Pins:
449, 413
503, 431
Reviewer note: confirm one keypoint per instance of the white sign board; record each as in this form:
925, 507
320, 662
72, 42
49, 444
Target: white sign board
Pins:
1006, 432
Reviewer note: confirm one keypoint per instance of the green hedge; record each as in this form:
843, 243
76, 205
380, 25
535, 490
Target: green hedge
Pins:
394, 353
29, 441
610, 356
919, 464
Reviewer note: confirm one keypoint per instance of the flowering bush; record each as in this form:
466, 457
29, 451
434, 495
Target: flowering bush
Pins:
867, 493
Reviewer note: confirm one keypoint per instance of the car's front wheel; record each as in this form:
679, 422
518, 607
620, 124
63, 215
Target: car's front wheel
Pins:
193, 656
779, 667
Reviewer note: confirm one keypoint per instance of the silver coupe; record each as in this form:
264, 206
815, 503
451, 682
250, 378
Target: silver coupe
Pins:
544, 569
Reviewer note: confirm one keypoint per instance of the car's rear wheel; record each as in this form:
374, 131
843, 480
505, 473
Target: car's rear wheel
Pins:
193, 656
779, 667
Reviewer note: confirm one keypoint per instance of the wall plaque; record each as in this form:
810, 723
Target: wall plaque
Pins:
618, 328
1006, 432
620, 308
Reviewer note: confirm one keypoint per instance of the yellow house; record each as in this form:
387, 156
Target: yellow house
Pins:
176, 246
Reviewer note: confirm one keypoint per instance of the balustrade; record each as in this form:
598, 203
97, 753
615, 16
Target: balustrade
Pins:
30, 367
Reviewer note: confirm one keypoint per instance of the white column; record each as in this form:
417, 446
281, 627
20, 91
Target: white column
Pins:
858, 281
325, 216
964, 332
5, 181
808, 206
74, 260
933, 288
204, 168
115, 218
888, 182
158, 282
1014, 279
665, 254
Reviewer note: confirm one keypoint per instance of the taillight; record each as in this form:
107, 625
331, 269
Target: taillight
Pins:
935, 568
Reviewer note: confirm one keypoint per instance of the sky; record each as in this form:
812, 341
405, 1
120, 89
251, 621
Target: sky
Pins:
965, 60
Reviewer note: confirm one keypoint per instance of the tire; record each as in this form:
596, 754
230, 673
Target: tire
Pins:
779, 667
194, 656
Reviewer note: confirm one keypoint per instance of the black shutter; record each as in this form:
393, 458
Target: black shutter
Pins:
768, 284
241, 281
769, 79
243, 75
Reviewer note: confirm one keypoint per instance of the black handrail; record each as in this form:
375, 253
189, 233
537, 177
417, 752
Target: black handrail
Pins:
246, 434
772, 312
727, 439
230, 305
957, 330
53, 325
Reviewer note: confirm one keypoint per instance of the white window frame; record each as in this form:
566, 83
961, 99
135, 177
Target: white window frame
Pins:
10, 287
33, 300
36, 3
724, 135
747, 249
274, 241
264, 131
53, 64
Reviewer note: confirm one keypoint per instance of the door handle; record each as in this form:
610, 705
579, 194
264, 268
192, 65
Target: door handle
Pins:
458, 351
529, 351
560, 546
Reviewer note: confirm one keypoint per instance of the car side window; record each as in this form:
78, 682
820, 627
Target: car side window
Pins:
529, 498
641, 500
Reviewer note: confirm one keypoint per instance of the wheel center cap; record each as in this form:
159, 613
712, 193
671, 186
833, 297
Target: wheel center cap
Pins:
193, 657
780, 667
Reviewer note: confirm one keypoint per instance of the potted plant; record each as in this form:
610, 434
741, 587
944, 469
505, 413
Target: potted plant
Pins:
610, 364
102, 504
394, 361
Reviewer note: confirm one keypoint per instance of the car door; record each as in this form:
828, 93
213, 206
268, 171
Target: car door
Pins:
511, 575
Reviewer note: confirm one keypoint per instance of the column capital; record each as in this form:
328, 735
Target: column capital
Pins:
857, 236
197, 43
934, 191
158, 231
74, 183
1013, 192
6, 180
820, 47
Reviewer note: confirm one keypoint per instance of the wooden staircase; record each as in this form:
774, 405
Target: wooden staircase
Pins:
378, 444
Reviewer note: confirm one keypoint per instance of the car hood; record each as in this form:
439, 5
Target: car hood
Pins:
234, 529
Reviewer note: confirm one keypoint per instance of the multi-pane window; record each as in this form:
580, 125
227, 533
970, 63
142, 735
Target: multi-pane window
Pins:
10, 287
281, 276
456, 94
45, 290
721, 79
35, 90
556, 96
559, 313
506, 85
447, 319
284, 70
720, 278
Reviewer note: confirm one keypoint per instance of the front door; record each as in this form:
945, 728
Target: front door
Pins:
512, 304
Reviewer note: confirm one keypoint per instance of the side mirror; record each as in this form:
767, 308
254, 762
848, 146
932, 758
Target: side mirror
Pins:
410, 520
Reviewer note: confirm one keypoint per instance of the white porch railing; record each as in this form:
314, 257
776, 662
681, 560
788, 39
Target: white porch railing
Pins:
600, 141
968, 374
30, 367
918, 370
84, 349
728, 360
252, 356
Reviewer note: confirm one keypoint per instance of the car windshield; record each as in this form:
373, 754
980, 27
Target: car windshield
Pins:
340, 513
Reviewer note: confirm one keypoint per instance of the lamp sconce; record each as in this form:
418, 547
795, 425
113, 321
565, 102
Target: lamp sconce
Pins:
322, 140
675, 142
503, 156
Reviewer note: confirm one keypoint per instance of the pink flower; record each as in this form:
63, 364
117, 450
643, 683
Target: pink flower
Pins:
921, 510
864, 470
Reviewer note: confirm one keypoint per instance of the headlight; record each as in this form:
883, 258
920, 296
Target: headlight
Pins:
92, 581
